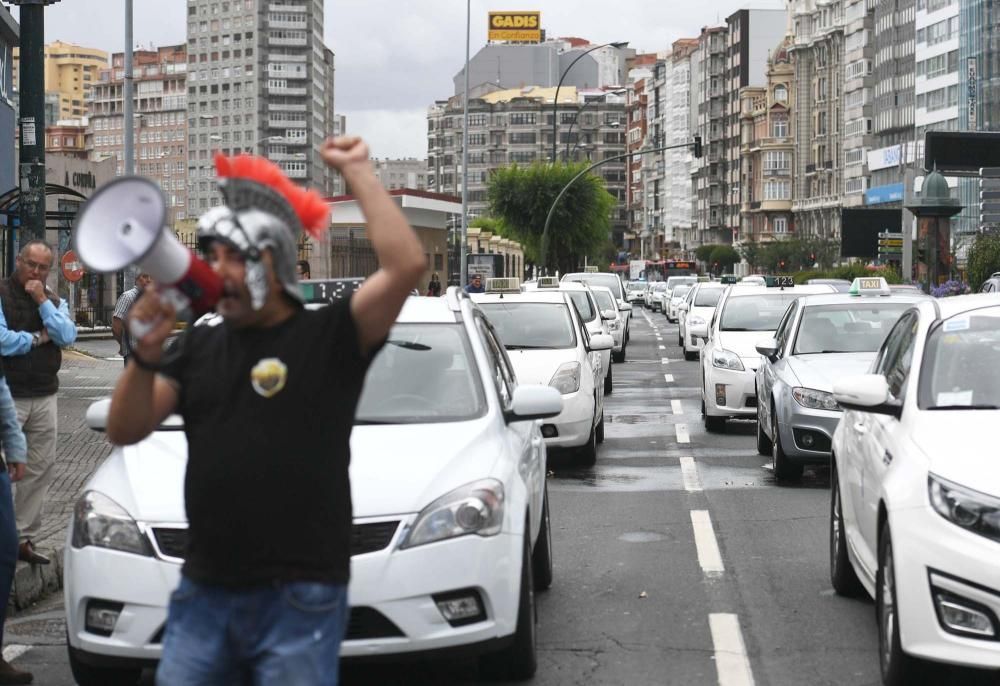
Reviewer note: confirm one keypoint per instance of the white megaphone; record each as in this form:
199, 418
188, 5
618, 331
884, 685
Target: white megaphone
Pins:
123, 224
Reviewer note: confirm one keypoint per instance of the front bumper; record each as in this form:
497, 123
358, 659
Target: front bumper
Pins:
399, 585
803, 423
619, 338
739, 391
932, 553
142, 584
692, 343
573, 424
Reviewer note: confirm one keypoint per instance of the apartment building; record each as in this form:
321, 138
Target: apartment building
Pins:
71, 71
514, 126
858, 99
708, 174
260, 80
160, 107
768, 151
402, 173
680, 114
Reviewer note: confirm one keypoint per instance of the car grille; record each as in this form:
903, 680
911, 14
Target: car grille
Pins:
365, 538
368, 623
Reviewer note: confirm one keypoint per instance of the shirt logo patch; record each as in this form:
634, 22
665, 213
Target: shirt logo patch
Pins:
268, 376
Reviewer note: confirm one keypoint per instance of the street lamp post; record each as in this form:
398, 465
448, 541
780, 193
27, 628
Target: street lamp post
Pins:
562, 77
464, 248
695, 144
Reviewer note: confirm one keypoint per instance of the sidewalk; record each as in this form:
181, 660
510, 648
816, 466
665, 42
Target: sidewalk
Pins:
82, 380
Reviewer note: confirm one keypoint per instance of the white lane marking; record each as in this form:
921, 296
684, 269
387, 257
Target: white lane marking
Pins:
664, 360
709, 556
682, 433
669, 378
689, 470
14, 651
675, 406
731, 661
663, 347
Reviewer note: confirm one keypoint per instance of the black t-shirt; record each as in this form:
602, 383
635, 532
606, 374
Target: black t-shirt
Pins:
268, 416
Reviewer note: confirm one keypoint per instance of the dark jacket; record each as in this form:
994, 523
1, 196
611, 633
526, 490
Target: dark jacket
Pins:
36, 373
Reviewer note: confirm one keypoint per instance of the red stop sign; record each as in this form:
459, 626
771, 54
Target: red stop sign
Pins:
72, 267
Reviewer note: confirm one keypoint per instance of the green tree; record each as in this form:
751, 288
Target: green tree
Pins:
751, 251
984, 259
723, 258
704, 252
520, 197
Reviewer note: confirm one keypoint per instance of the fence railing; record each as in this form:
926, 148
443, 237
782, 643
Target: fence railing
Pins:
351, 257
89, 317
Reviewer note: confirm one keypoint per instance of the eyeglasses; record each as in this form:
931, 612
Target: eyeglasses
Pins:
35, 266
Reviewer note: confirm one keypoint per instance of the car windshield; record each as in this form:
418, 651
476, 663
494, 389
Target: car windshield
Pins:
961, 367
758, 312
584, 305
605, 301
680, 291
424, 373
678, 280
707, 297
658, 287
599, 279
848, 328
525, 326
637, 286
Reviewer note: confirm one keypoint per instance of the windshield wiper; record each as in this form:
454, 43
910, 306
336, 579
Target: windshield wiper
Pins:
825, 352
409, 345
964, 407
373, 422
737, 329
527, 347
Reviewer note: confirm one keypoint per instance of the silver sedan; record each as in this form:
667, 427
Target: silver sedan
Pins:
820, 339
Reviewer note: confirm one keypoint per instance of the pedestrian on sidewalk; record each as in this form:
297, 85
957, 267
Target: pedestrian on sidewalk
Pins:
302, 269
475, 284
34, 327
125, 301
268, 399
434, 287
15, 452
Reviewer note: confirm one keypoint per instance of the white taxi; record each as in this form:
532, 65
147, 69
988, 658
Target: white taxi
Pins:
915, 497
693, 332
451, 537
549, 344
583, 298
729, 360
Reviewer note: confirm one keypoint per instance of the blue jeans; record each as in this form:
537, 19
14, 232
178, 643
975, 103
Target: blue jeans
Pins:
8, 544
288, 634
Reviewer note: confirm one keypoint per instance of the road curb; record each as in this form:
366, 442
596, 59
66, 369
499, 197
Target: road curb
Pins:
34, 582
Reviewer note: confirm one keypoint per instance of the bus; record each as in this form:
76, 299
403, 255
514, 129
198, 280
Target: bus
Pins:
660, 270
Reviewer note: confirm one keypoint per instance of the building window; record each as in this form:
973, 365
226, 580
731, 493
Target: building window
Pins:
779, 127
781, 93
780, 224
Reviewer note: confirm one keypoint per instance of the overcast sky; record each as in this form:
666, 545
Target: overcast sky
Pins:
396, 57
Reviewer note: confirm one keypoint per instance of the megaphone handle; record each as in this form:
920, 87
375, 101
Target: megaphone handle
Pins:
139, 328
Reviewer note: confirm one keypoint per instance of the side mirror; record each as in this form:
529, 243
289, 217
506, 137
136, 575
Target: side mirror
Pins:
624, 306
768, 348
601, 341
867, 393
683, 307
97, 415
534, 401
609, 314
699, 330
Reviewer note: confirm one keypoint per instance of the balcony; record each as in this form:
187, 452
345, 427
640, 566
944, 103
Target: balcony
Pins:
279, 73
776, 206
293, 24
295, 173
779, 172
287, 90
287, 42
283, 123
810, 169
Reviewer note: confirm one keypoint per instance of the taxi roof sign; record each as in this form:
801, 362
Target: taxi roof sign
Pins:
590, 269
869, 286
503, 284
548, 282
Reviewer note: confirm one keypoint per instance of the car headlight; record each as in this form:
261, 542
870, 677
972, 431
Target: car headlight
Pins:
724, 359
100, 521
475, 508
815, 400
977, 512
614, 324
566, 380
695, 320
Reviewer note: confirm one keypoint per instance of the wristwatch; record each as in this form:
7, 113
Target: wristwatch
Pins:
36, 338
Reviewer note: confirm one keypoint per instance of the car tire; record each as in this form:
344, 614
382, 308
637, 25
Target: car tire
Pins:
609, 380
784, 469
541, 558
588, 452
690, 356
897, 667
680, 339
764, 444
599, 431
519, 661
842, 575
619, 357
715, 425
89, 675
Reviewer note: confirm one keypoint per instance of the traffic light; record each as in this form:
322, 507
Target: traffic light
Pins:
781, 264
697, 146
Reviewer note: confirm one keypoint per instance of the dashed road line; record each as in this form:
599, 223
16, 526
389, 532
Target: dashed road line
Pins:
709, 556
669, 378
664, 360
682, 433
731, 661
663, 347
14, 651
689, 470
675, 407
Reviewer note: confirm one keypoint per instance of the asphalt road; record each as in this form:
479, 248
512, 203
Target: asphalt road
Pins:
678, 559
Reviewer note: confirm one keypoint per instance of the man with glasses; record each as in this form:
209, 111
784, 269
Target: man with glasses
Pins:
34, 326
